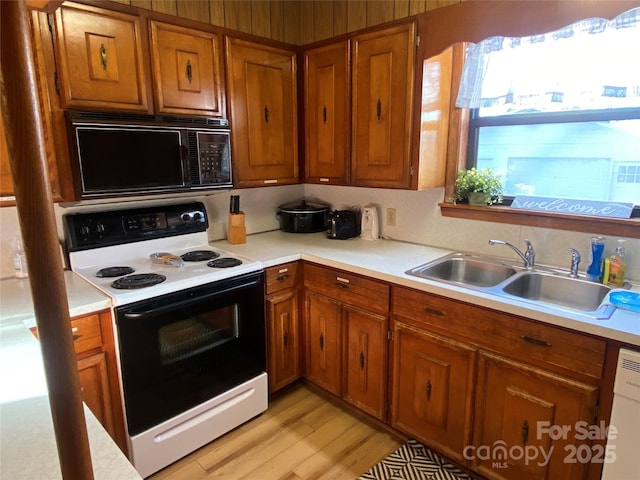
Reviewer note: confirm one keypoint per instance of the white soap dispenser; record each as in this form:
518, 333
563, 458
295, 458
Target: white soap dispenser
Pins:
19, 260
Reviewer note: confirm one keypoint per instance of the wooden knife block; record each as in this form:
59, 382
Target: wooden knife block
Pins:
236, 232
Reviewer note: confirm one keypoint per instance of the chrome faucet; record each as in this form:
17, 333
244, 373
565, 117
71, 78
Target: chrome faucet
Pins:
575, 261
528, 257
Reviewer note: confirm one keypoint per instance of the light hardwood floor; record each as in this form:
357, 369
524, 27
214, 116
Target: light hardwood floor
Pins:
302, 436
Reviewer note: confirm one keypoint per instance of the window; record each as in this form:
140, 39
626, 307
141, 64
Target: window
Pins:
559, 114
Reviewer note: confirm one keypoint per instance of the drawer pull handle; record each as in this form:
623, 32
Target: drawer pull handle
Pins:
433, 311
342, 285
283, 277
525, 432
379, 109
324, 114
536, 341
361, 361
285, 338
75, 336
428, 390
321, 342
266, 114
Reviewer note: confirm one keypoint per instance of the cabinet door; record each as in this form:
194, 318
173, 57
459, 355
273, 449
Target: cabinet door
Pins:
100, 59
432, 389
517, 405
261, 81
323, 335
94, 384
186, 67
365, 354
327, 112
383, 68
284, 350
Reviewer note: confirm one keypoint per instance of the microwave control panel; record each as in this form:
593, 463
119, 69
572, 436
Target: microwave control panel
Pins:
214, 159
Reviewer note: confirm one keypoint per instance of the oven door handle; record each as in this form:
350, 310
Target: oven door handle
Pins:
131, 315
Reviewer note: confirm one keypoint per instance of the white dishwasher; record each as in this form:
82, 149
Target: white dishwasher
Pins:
625, 417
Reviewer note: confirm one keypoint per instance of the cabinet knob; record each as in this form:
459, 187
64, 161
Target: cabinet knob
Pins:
525, 432
103, 56
379, 109
189, 71
324, 114
266, 114
428, 390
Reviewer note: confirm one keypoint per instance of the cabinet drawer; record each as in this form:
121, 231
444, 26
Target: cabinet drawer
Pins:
281, 277
86, 333
349, 288
546, 346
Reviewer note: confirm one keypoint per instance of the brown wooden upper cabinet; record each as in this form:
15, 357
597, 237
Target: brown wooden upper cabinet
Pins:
382, 100
261, 84
186, 70
327, 114
100, 59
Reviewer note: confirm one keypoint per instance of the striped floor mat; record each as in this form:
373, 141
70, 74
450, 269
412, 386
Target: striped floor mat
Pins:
413, 461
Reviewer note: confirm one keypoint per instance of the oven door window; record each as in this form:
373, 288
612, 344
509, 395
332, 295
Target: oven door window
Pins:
181, 350
199, 334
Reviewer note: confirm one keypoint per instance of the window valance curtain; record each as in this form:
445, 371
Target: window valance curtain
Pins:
591, 64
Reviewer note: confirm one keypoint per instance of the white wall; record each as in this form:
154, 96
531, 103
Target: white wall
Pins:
418, 220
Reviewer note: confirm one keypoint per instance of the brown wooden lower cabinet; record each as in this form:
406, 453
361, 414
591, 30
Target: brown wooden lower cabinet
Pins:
492, 391
529, 420
432, 389
94, 345
365, 360
284, 344
96, 393
323, 341
283, 330
346, 336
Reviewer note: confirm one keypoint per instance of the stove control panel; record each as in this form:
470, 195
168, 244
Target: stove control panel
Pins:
84, 231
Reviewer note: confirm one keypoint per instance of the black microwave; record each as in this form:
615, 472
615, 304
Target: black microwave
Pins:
124, 154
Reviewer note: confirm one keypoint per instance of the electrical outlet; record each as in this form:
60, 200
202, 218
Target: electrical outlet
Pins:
391, 217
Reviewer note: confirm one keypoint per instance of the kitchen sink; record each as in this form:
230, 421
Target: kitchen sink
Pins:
543, 286
464, 269
564, 291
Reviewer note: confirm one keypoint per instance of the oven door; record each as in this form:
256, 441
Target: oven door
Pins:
182, 349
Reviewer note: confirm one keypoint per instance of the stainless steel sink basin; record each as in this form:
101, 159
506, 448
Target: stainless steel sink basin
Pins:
466, 270
545, 286
563, 291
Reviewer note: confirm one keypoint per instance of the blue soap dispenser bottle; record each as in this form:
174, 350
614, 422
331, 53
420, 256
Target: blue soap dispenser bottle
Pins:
594, 271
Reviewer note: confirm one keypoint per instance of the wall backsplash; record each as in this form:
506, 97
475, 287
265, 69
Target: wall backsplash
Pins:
418, 220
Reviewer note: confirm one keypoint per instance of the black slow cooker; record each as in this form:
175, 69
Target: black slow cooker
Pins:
303, 217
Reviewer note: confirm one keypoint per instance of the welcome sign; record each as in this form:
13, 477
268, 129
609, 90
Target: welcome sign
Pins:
574, 207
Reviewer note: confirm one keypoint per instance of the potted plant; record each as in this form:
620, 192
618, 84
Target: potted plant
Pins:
478, 187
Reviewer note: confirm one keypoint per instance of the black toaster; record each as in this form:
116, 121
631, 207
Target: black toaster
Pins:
343, 224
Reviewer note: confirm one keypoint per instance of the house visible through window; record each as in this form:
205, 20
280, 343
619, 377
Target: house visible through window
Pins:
559, 114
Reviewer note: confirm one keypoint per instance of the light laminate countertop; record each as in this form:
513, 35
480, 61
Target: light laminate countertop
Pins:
388, 260
28, 448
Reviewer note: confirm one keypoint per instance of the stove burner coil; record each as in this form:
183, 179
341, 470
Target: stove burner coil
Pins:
199, 255
139, 280
224, 262
114, 272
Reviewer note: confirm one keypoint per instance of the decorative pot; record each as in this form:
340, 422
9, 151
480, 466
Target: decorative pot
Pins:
477, 198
